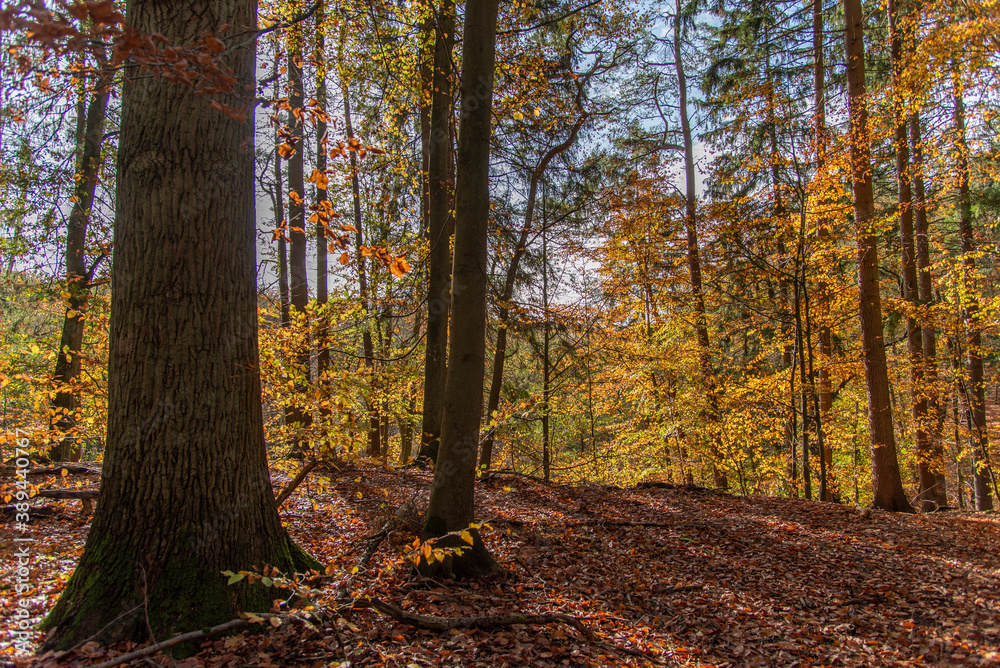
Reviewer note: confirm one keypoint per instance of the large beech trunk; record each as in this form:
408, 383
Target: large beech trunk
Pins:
452, 499
437, 148
185, 491
887, 486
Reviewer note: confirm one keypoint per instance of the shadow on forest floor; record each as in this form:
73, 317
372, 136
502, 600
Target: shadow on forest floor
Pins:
662, 577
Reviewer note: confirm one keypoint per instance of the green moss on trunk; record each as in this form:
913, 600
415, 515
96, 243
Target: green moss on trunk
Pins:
114, 596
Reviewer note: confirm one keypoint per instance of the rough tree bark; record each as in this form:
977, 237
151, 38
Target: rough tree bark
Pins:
452, 499
185, 490
437, 148
887, 487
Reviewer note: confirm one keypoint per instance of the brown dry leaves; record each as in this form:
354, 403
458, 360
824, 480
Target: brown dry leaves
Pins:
782, 582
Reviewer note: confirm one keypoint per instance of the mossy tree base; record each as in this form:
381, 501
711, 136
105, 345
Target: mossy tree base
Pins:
112, 596
185, 491
473, 561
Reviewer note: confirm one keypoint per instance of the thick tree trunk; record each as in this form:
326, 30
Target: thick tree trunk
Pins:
887, 485
935, 412
185, 491
437, 148
452, 499
78, 275
694, 261
976, 394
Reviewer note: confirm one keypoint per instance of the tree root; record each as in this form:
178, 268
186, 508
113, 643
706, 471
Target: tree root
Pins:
374, 542
176, 640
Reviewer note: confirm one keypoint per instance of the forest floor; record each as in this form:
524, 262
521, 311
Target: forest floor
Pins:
676, 577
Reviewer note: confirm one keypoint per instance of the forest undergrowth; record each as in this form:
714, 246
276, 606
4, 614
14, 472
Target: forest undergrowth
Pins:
656, 576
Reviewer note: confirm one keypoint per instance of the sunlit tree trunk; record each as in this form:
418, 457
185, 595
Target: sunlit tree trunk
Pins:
452, 498
185, 490
935, 412
694, 261
887, 485
908, 264
976, 393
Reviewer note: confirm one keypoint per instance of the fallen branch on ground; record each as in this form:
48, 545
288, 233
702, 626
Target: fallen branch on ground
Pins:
373, 544
296, 481
176, 640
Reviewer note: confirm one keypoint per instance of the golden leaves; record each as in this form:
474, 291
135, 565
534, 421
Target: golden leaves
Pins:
320, 179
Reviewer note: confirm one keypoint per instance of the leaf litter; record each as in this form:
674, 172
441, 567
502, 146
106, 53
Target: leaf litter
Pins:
660, 576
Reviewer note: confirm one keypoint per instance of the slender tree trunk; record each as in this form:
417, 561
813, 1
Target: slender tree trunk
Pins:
185, 491
935, 413
78, 275
322, 224
546, 362
824, 490
368, 347
803, 378
976, 394
694, 261
887, 485
500, 353
824, 391
452, 498
908, 263
440, 169
281, 223
425, 70
297, 416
